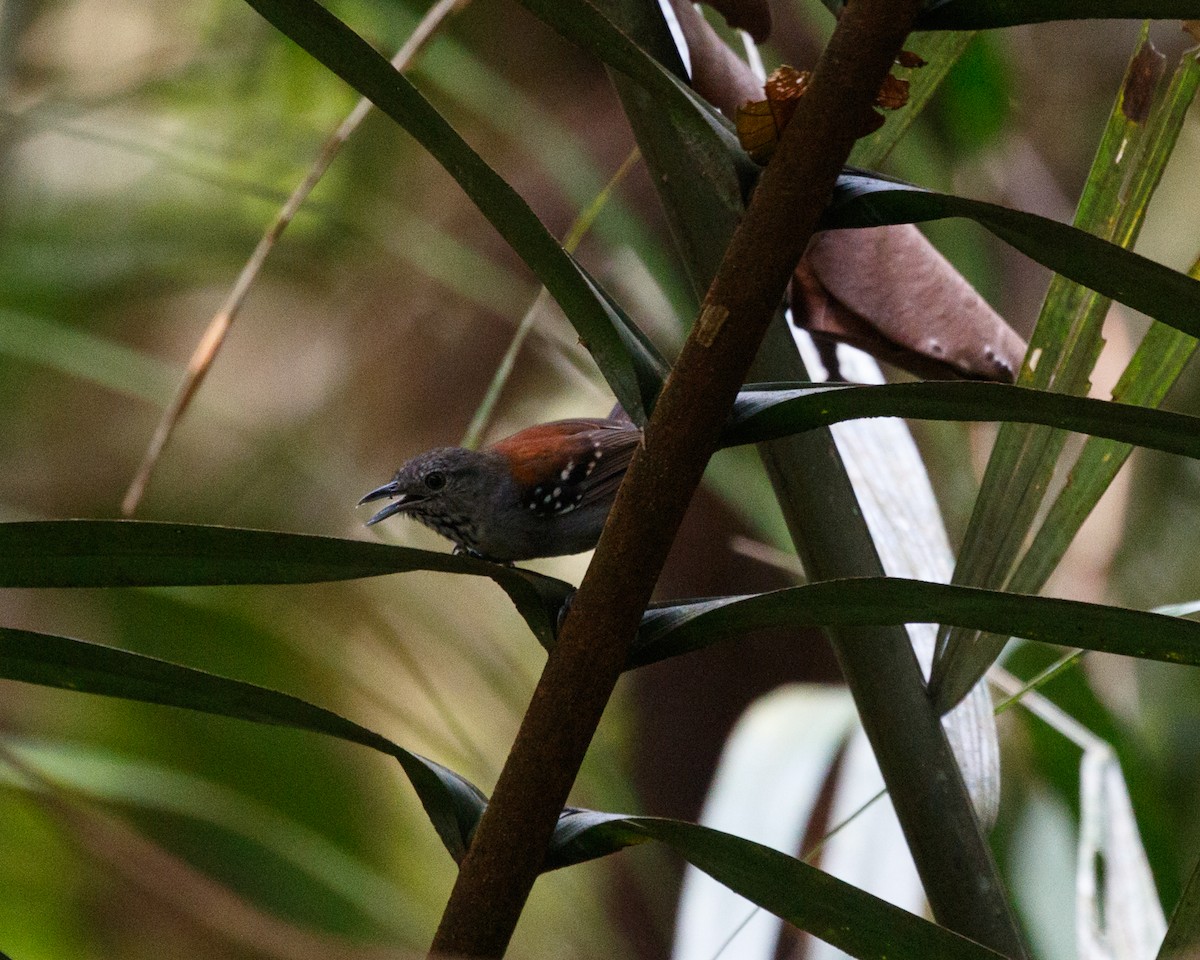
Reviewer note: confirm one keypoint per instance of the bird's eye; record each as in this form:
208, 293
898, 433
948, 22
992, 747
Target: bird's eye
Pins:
435, 480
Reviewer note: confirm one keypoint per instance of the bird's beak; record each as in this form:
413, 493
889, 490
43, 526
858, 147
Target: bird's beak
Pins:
401, 502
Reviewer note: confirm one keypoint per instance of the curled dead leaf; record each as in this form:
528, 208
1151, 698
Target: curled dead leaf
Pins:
718, 74
889, 292
873, 288
760, 123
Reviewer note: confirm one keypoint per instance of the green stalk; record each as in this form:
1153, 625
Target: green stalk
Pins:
1137, 140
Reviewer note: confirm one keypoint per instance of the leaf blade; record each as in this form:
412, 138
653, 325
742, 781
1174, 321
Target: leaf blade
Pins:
124, 553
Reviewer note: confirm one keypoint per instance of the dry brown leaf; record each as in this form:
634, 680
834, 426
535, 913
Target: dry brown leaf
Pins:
759, 124
1140, 83
893, 94
872, 288
888, 291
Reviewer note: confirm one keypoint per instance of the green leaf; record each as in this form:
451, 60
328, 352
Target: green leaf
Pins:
940, 51
1183, 932
625, 359
672, 630
1155, 366
453, 804
766, 414
850, 919
92, 358
985, 14
114, 778
685, 139
867, 200
1138, 138
131, 553
584, 24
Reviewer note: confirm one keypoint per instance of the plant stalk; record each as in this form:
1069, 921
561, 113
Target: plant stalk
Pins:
507, 852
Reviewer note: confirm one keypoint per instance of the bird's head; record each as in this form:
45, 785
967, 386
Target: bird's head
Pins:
441, 488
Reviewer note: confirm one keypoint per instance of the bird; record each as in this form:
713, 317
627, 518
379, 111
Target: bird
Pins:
545, 491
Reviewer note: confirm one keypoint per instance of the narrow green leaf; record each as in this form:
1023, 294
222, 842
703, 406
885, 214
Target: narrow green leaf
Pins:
986, 14
867, 200
92, 358
111, 777
1153, 369
850, 919
453, 804
584, 24
875, 601
1183, 932
940, 51
623, 357
129, 553
766, 414
1138, 139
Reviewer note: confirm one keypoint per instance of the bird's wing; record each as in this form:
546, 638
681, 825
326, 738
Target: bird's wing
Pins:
584, 458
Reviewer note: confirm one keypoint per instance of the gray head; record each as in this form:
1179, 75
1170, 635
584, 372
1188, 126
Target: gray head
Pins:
446, 489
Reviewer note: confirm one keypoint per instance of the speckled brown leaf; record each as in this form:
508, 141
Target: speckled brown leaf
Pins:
753, 16
893, 94
760, 123
887, 291
1141, 80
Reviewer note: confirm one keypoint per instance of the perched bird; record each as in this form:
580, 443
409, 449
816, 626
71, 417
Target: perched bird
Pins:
543, 492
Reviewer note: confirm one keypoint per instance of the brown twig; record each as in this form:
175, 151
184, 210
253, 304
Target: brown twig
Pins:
218, 328
509, 846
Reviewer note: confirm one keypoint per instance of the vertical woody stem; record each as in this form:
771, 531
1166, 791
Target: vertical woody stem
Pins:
509, 846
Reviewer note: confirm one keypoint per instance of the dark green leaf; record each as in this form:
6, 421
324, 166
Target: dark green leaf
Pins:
453, 804
1183, 933
850, 919
624, 358
765, 414
984, 14
865, 200
873, 601
127, 553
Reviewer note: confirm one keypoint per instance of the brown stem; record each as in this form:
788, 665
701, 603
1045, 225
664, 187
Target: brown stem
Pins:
509, 846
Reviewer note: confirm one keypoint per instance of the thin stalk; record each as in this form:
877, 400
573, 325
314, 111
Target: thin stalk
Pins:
218, 327
579, 229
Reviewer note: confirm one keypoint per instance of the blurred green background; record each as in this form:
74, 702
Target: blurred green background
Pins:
144, 147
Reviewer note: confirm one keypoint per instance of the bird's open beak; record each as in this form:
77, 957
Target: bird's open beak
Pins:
401, 502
